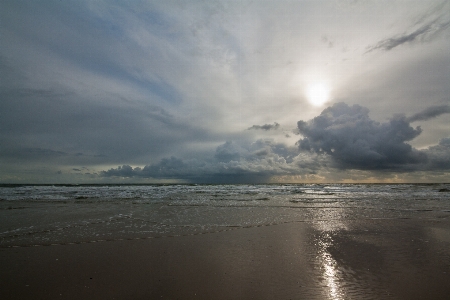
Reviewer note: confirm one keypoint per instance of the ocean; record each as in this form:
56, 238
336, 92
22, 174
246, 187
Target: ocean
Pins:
43, 215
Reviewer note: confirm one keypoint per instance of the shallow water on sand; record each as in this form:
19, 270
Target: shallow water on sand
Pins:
42, 215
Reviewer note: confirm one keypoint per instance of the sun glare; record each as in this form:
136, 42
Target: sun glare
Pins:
318, 94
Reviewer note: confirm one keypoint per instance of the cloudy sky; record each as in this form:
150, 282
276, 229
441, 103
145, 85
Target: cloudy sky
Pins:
224, 91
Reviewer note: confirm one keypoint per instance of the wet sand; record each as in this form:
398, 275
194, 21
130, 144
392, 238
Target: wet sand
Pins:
354, 259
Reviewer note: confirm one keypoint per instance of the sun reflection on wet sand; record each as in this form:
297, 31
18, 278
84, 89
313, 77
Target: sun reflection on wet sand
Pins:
331, 276
328, 265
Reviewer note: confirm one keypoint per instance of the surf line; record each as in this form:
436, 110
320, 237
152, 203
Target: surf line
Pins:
227, 228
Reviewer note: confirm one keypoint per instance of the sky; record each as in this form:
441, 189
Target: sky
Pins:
240, 91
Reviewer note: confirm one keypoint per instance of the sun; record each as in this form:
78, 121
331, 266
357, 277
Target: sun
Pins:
318, 94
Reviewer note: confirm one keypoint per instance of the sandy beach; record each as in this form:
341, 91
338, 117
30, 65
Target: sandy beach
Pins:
367, 259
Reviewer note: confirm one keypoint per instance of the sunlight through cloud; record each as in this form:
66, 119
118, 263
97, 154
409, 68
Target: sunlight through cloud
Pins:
318, 94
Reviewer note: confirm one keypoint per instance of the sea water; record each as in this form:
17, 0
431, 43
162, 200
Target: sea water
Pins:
37, 215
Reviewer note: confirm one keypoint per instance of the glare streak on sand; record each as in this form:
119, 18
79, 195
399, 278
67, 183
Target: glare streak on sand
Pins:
330, 274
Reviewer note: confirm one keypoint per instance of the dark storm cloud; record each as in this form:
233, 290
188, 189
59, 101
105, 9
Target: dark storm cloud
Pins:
355, 141
232, 163
228, 152
430, 113
439, 156
265, 127
122, 171
166, 168
172, 167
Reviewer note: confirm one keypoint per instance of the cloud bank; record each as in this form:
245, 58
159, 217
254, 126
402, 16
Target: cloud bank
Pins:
342, 137
257, 162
